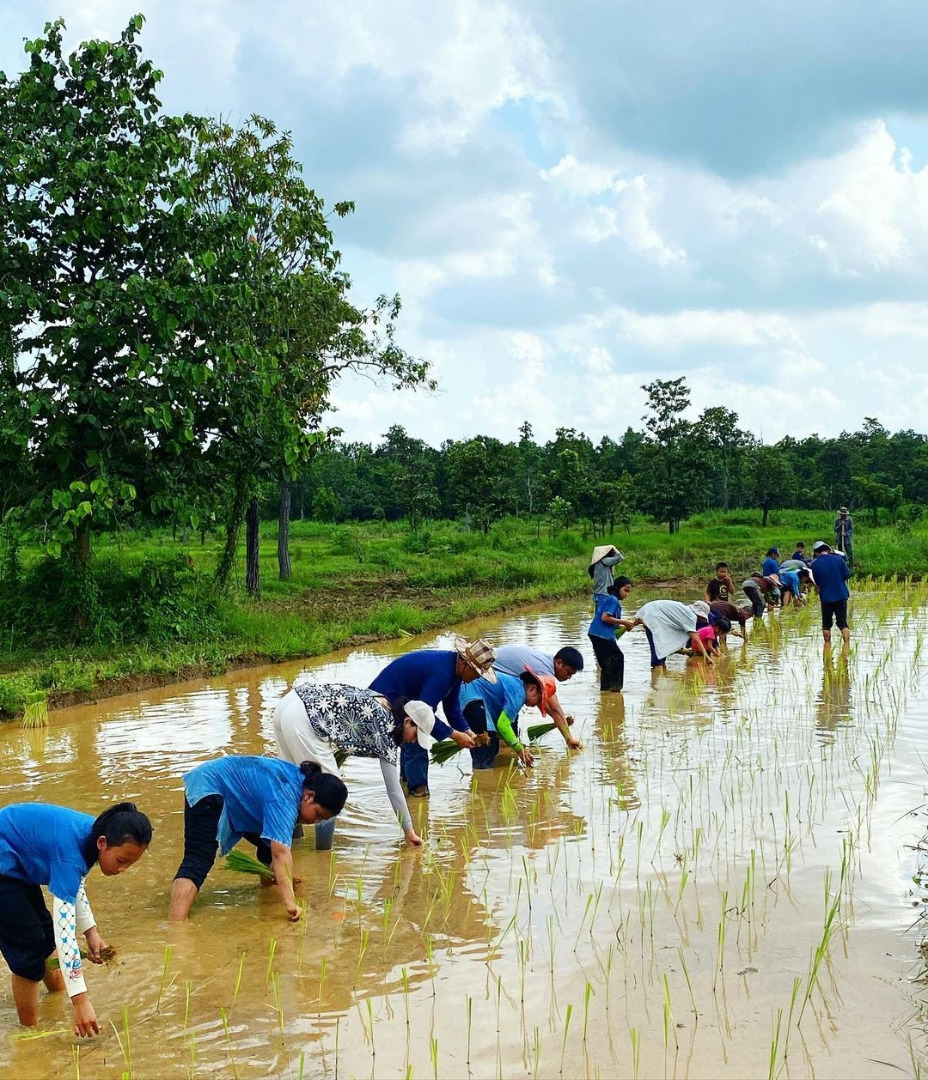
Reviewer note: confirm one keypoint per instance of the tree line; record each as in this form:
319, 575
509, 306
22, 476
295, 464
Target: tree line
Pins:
668, 469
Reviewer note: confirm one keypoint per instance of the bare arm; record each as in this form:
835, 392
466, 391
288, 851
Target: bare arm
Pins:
556, 712
282, 866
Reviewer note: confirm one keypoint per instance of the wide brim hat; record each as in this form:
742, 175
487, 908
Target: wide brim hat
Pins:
423, 716
479, 654
818, 545
601, 552
701, 608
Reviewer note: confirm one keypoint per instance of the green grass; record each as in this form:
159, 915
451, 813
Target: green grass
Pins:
158, 618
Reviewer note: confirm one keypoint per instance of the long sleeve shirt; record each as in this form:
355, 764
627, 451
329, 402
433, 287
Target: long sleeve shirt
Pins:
426, 675
47, 845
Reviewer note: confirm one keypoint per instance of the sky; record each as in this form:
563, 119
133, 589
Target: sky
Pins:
573, 199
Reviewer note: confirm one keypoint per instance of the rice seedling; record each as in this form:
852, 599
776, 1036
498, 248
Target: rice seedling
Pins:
567, 1015
35, 714
164, 976
277, 1006
124, 1041
242, 863
271, 952
229, 1047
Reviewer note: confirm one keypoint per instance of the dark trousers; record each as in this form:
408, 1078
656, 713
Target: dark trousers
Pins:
656, 661
475, 714
201, 832
27, 937
611, 662
414, 765
758, 607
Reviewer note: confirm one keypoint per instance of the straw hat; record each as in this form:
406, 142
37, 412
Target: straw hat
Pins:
479, 654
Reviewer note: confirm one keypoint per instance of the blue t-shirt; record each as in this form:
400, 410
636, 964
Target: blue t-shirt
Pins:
771, 566
425, 675
605, 605
831, 574
259, 794
506, 695
44, 845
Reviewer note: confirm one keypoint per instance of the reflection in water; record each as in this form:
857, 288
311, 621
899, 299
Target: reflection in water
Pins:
834, 705
596, 882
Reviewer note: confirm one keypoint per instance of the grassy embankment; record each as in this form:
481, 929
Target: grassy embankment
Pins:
353, 583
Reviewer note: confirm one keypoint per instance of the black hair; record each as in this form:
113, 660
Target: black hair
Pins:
122, 823
329, 790
772, 551
529, 678
723, 624
570, 657
800, 544
720, 566
620, 582
398, 710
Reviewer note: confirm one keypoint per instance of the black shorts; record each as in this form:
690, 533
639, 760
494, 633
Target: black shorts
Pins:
201, 840
27, 937
834, 609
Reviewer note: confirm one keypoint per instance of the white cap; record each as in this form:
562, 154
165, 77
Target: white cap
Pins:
423, 716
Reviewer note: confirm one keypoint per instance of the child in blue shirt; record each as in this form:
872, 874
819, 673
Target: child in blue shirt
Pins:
257, 798
41, 844
605, 627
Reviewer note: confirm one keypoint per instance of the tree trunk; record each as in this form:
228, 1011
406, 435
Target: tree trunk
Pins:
85, 586
233, 524
284, 566
252, 560
766, 508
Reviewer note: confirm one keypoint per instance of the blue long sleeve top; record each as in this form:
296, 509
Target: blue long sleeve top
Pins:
426, 675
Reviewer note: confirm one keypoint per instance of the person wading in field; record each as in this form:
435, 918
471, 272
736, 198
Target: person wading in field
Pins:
434, 676
563, 665
831, 575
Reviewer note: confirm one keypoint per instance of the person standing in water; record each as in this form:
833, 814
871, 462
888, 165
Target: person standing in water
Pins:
259, 799
42, 844
831, 575
435, 677
314, 720
563, 665
602, 562
603, 632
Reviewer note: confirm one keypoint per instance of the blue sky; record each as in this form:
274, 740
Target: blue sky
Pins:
573, 199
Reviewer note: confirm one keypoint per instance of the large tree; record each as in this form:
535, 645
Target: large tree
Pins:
672, 476
299, 331
101, 281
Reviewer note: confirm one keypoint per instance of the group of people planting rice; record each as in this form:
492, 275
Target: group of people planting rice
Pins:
701, 628
266, 800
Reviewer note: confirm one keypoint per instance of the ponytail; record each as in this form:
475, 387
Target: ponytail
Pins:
398, 710
123, 823
329, 790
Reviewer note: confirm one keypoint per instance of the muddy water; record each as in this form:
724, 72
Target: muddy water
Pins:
721, 875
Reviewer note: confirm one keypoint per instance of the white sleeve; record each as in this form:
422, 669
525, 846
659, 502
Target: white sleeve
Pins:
85, 919
64, 918
391, 780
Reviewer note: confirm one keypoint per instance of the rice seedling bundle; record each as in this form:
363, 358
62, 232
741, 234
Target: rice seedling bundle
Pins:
36, 712
247, 864
445, 750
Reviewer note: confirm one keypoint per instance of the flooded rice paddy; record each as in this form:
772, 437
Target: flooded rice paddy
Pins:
718, 884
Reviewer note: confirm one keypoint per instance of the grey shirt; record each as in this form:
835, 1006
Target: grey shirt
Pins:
602, 573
